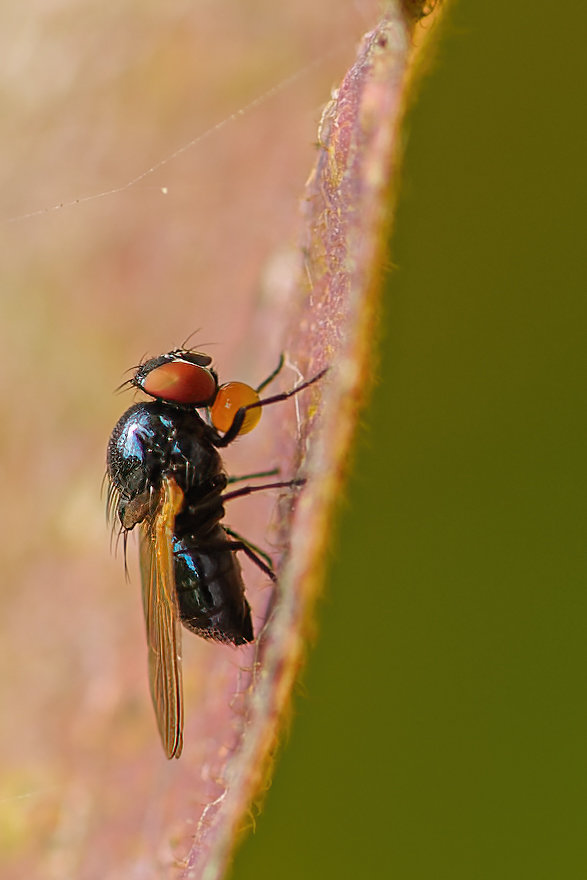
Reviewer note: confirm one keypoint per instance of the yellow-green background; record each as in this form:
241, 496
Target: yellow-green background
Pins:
441, 731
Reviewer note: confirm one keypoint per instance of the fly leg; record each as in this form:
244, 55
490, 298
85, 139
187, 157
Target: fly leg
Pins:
235, 546
252, 551
238, 546
248, 490
260, 475
272, 375
211, 501
250, 544
240, 414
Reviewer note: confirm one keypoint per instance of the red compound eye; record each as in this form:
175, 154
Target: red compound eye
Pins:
181, 382
229, 399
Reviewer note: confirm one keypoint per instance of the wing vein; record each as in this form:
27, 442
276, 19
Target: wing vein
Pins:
161, 617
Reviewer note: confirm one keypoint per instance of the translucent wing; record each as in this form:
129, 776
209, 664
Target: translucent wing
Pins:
161, 618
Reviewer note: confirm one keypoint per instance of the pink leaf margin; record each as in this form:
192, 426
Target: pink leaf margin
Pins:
331, 322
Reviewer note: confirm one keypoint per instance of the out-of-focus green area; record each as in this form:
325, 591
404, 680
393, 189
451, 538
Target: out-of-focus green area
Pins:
442, 732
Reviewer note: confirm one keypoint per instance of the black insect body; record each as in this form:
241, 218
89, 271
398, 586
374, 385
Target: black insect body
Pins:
166, 476
153, 441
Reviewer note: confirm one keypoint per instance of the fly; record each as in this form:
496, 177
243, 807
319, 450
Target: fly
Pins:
166, 476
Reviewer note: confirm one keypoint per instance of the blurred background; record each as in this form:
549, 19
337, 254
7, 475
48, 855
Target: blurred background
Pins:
439, 730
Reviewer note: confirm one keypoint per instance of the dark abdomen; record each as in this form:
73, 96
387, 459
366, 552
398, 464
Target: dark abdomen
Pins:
210, 589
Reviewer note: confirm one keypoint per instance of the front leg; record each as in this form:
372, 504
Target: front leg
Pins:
239, 416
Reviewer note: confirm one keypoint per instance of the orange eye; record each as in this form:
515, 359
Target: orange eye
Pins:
180, 382
229, 399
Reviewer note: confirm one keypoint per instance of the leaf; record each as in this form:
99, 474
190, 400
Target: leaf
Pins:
332, 321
